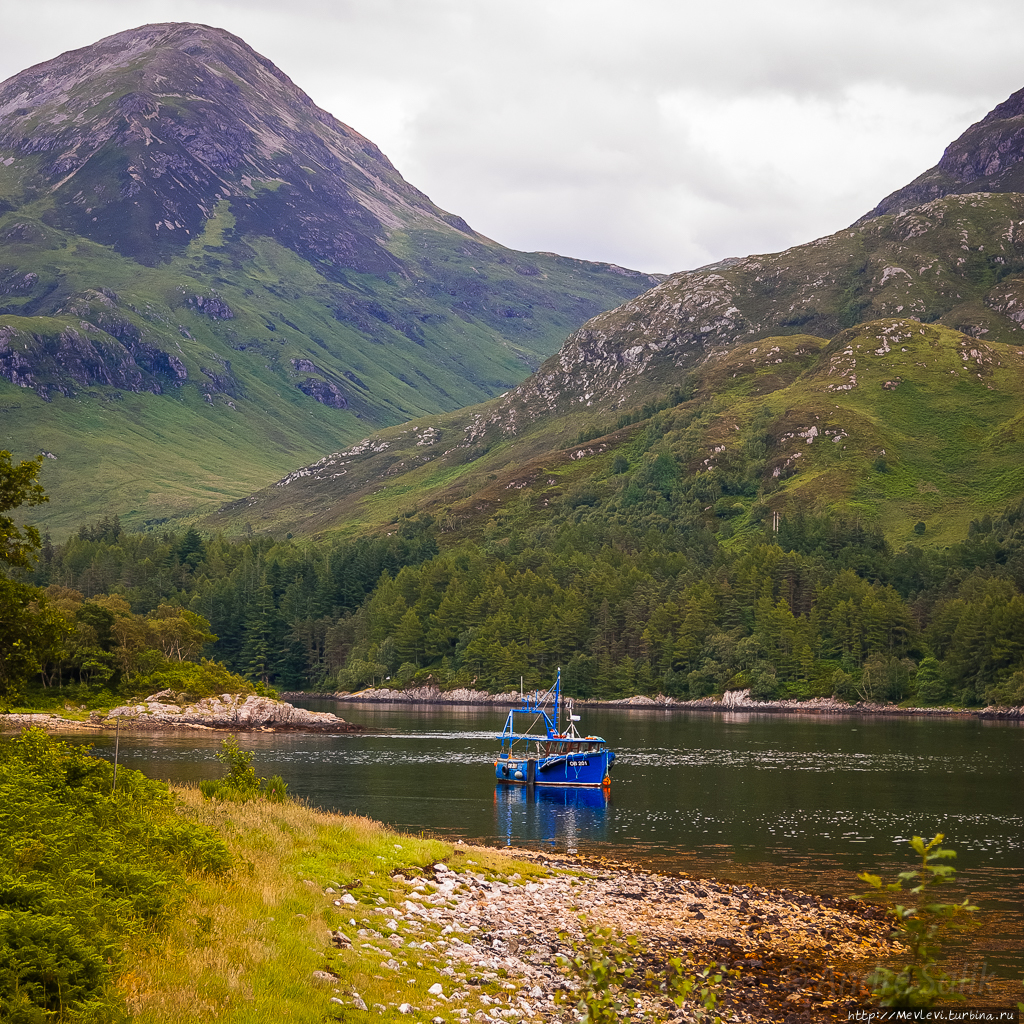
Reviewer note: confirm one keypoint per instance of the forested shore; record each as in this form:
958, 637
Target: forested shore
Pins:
625, 605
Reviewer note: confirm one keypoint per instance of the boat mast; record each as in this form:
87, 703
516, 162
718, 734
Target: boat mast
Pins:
558, 702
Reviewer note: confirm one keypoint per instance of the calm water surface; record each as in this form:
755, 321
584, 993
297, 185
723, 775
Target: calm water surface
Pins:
794, 800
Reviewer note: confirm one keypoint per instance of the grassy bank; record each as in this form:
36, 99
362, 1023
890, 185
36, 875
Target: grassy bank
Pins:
244, 948
152, 904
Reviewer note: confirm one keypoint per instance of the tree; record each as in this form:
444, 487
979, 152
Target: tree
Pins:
179, 633
18, 486
27, 638
260, 651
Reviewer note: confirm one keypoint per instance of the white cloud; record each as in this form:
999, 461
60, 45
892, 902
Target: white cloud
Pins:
659, 134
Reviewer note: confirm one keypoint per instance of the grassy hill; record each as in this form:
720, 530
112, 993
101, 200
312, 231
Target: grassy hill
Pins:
894, 422
134, 433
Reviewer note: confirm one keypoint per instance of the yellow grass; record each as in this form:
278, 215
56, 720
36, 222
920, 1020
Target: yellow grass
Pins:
244, 948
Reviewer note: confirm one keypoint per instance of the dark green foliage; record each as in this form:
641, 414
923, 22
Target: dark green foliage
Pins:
28, 634
280, 612
624, 584
1009, 693
19, 485
83, 873
931, 683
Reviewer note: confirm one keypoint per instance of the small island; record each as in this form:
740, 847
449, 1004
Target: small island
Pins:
233, 712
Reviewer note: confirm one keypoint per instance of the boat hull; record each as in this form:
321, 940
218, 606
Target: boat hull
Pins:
577, 769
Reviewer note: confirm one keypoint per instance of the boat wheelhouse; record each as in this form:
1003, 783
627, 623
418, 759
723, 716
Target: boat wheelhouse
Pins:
555, 757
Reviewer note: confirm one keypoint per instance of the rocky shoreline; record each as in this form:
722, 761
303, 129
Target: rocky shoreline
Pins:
731, 701
796, 956
168, 711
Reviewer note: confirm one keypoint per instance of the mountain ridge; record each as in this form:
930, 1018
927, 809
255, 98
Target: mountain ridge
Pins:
953, 265
221, 278
985, 158
209, 157
894, 421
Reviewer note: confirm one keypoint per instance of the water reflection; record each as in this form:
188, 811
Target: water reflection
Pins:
555, 816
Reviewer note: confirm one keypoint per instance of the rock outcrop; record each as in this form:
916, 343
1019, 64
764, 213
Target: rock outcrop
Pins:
986, 158
729, 702
430, 694
230, 711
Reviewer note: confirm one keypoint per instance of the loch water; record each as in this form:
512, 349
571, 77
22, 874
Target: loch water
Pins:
794, 800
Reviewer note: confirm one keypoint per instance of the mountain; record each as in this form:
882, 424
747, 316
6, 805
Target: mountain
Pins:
875, 372
986, 158
205, 278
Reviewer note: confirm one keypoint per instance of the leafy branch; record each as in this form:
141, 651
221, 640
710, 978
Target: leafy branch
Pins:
602, 964
918, 928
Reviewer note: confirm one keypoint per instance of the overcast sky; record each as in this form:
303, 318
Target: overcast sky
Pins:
657, 134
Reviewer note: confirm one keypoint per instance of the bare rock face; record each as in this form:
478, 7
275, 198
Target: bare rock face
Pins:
213, 306
429, 694
988, 157
190, 116
232, 712
324, 392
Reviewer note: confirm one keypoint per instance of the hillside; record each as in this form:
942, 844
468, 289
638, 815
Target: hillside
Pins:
894, 422
797, 474
205, 279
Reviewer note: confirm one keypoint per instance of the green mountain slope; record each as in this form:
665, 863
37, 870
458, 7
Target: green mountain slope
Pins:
205, 279
894, 423
955, 261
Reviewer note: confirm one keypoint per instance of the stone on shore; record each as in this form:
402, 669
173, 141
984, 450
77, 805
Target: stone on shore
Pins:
728, 702
784, 946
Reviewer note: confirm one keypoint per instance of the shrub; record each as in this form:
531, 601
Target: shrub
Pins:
241, 783
763, 683
918, 928
1008, 693
82, 871
600, 964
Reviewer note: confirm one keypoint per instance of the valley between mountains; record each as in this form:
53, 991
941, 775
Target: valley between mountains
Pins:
205, 279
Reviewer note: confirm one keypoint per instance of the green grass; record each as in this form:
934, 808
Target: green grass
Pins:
394, 346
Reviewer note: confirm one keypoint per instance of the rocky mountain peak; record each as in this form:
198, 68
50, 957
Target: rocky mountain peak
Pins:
139, 136
986, 158
265, 282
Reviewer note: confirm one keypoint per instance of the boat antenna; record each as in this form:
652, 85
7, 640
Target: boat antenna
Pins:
520, 687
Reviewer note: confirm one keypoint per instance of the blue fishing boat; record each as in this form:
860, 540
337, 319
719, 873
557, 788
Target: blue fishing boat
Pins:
554, 757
